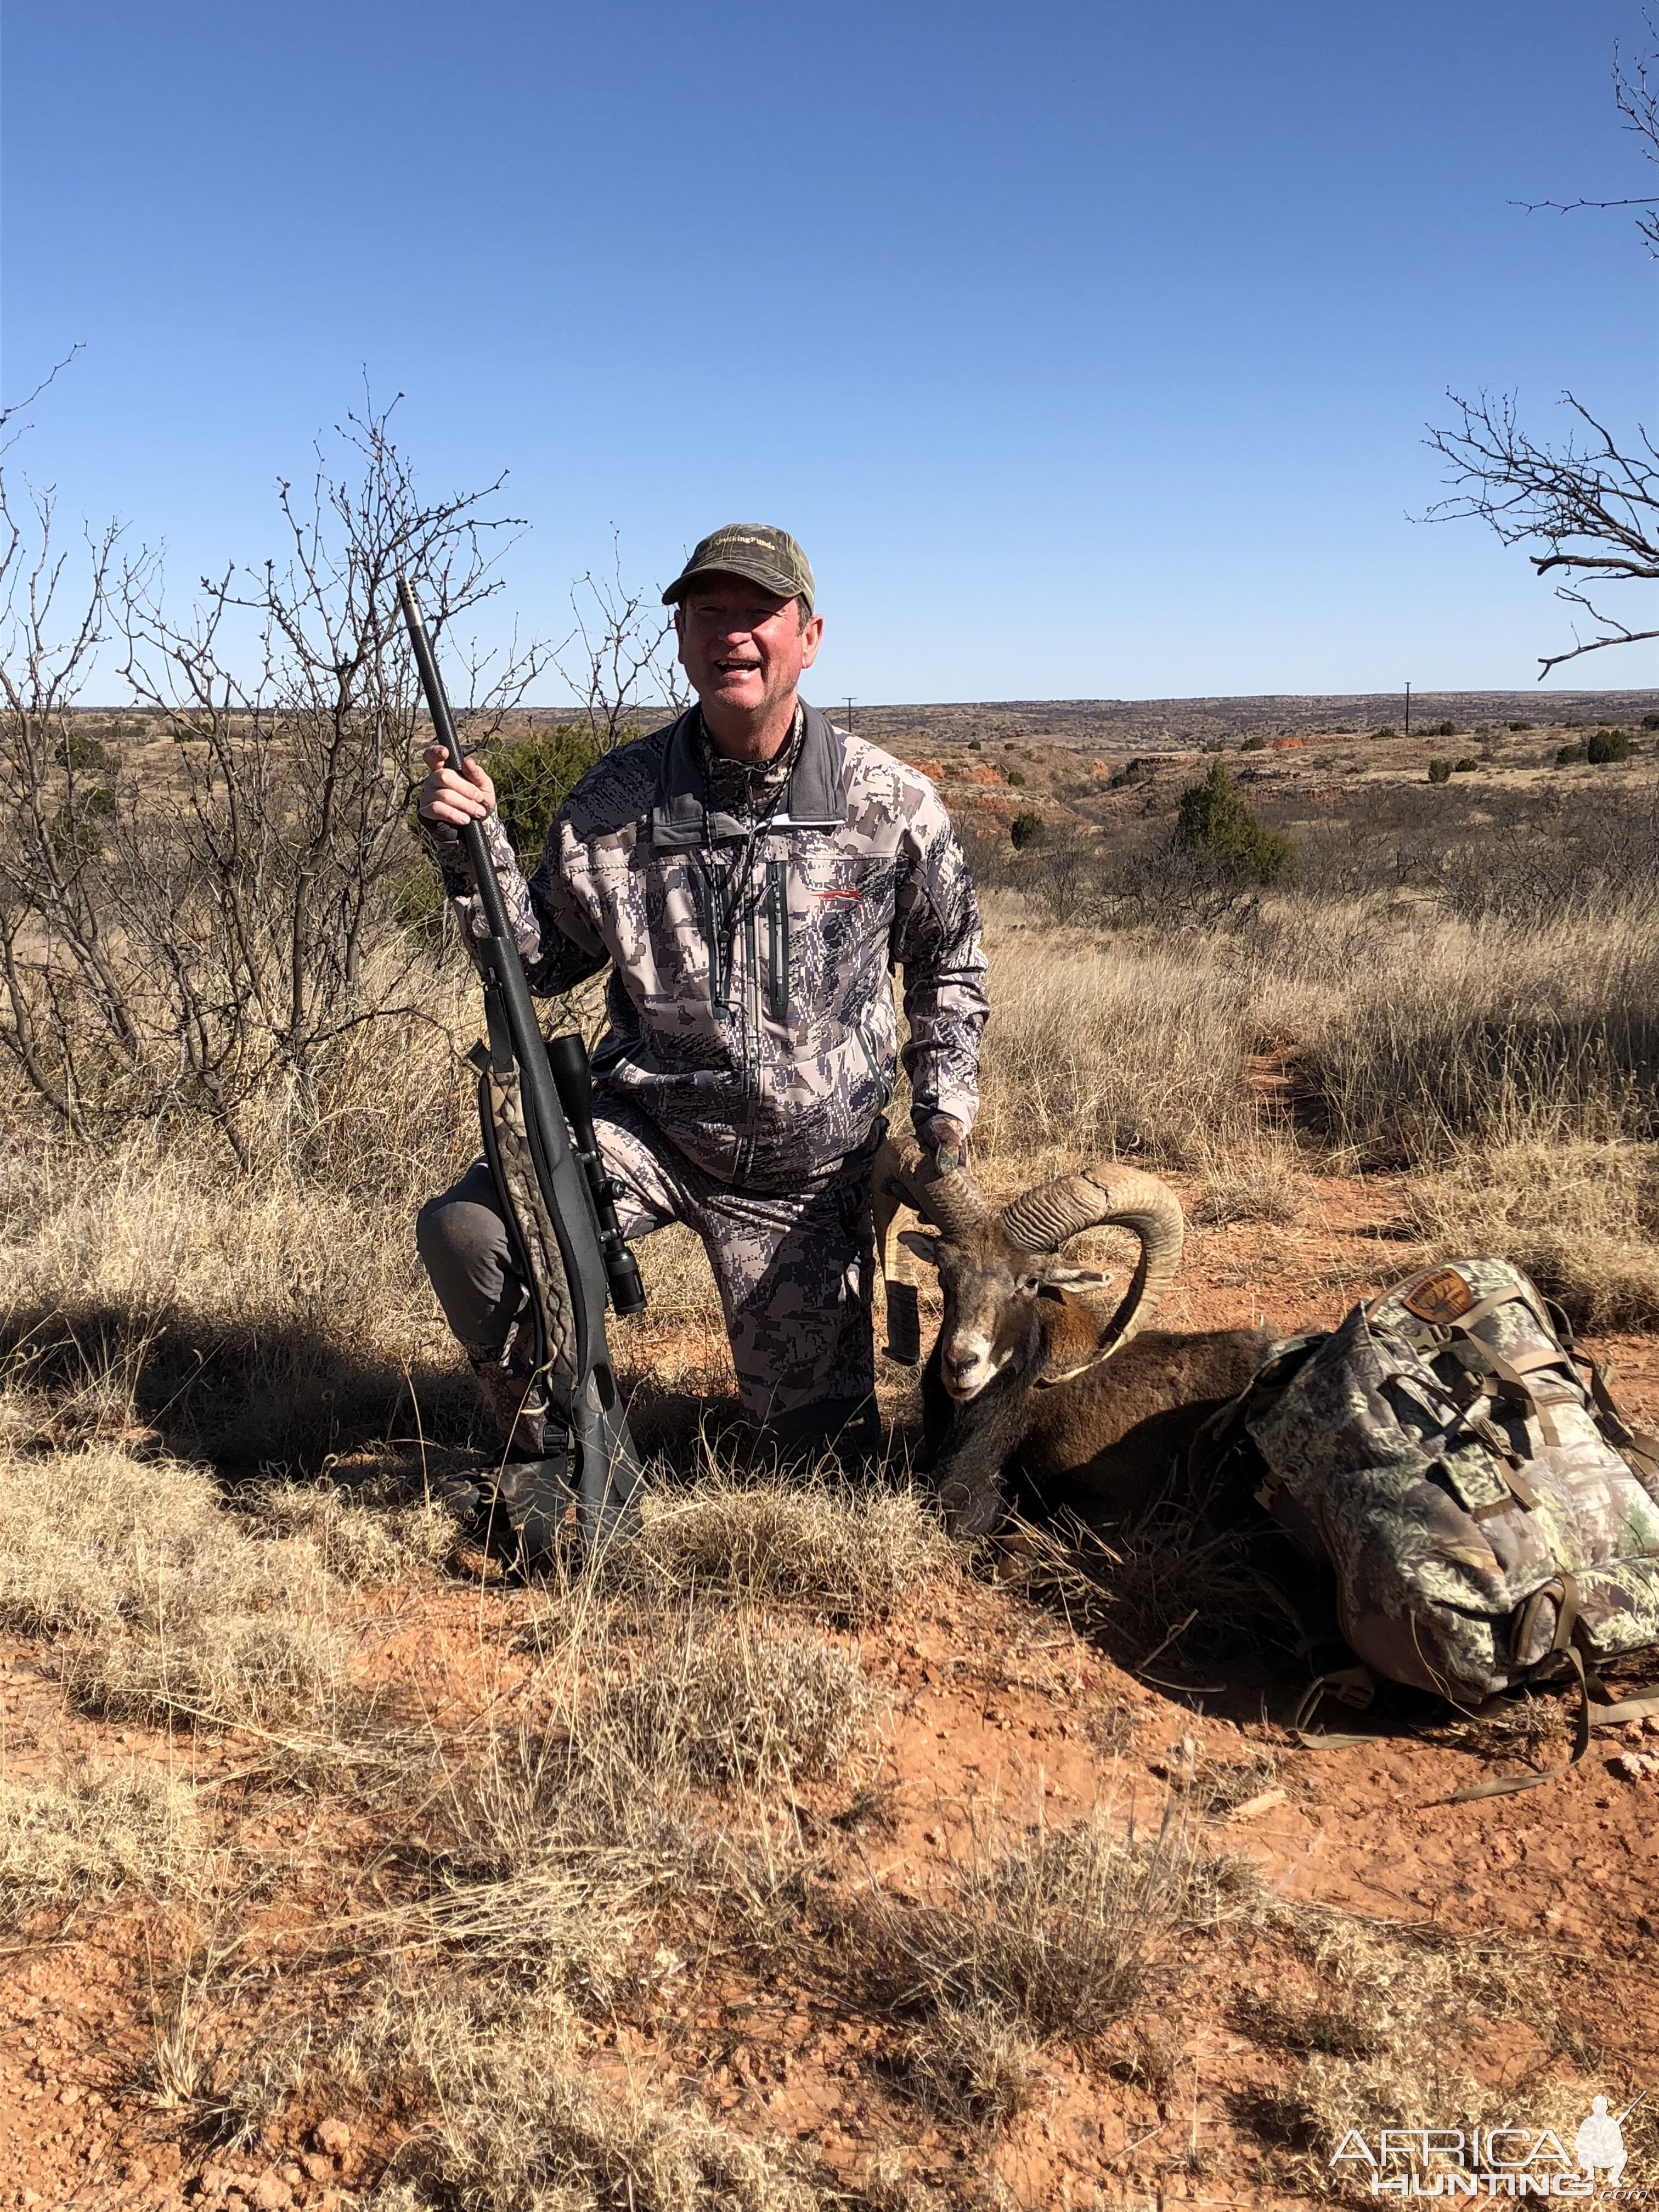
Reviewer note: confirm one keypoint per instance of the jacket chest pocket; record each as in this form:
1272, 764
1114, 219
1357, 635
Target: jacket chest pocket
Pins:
753, 916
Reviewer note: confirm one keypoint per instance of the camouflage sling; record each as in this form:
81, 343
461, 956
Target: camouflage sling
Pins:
1490, 1518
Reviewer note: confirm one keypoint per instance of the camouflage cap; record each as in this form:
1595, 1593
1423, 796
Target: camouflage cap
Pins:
755, 550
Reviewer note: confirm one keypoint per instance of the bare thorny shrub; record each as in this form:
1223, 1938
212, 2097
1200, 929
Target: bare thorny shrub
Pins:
187, 932
620, 659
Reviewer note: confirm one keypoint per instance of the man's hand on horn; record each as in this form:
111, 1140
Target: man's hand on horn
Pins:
452, 797
947, 1140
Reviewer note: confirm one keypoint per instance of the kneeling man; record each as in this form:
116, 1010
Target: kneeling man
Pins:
751, 876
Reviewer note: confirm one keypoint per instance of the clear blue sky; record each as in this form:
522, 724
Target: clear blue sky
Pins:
1087, 347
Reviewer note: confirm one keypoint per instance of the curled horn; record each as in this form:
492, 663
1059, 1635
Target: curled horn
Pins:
1043, 1219
904, 1178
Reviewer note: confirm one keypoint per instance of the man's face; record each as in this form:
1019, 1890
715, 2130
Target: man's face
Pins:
743, 646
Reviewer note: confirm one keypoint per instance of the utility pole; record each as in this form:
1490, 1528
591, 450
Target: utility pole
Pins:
849, 713
1408, 710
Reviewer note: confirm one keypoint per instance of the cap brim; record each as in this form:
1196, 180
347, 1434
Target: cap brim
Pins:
753, 572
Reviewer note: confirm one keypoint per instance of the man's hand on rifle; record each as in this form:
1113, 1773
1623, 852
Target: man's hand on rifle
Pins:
450, 797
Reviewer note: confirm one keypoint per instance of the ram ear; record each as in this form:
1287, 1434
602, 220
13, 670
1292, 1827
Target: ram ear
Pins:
1057, 1276
1078, 1335
920, 1246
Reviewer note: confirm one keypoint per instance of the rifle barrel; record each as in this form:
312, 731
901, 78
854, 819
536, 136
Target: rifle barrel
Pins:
443, 725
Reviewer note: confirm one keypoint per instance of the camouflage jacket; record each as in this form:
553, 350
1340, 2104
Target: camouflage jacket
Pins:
750, 1013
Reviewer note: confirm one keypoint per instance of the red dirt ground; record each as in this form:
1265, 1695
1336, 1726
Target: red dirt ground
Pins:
993, 1702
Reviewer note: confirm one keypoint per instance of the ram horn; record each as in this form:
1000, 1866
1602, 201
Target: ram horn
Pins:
1044, 1219
905, 1179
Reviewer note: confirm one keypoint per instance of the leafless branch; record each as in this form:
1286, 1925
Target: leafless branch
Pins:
1593, 503
619, 660
1637, 100
1593, 508
9, 437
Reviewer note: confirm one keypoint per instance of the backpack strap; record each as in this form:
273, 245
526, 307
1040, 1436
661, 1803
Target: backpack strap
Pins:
1424, 1383
1639, 1447
1508, 1785
1516, 1374
1596, 1709
1354, 1687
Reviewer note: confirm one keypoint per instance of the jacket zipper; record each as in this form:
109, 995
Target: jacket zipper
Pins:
777, 950
752, 1021
719, 982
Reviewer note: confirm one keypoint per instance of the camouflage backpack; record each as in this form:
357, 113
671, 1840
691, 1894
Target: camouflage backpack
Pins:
1490, 1517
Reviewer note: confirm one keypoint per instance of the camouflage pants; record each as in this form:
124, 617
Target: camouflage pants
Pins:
794, 1271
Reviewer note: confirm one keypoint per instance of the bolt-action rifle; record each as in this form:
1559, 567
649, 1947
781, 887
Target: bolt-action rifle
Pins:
558, 1203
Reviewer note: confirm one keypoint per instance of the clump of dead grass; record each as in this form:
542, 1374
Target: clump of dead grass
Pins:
1222, 1785
89, 1834
1377, 2026
1258, 1183
567, 1843
1164, 1590
279, 1675
844, 1554
513, 2112
1580, 1218
83, 1535
1062, 1933
734, 1700
974, 2063
163, 1603
368, 1536
264, 1313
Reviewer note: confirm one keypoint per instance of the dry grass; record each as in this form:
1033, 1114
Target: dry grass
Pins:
624, 1809
89, 1834
1580, 1218
735, 1701
1263, 1182
1059, 1934
1379, 2028
635, 1793
1409, 1033
837, 1552
259, 1318
1162, 1583
514, 2115
163, 1603
976, 2064
369, 1536
1115, 1048
1495, 1033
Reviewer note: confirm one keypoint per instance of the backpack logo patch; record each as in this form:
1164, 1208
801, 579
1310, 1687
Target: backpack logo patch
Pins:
1442, 1297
